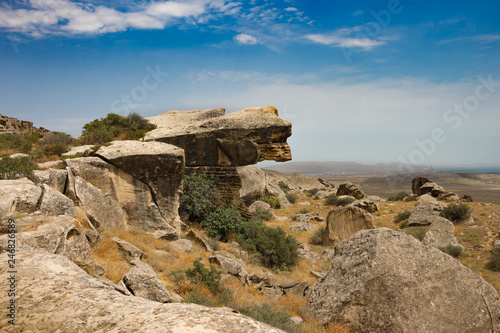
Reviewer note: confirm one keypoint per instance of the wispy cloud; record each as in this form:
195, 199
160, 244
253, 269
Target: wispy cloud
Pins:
483, 39
346, 38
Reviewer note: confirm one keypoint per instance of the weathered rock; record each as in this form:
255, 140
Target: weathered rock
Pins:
303, 226
55, 203
156, 164
344, 222
306, 218
50, 165
55, 178
193, 235
321, 195
257, 277
433, 189
229, 266
19, 195
143, 282
426, 198
56, 289
93, 236
296, 320
317, 274
305, 252
374, 198
385, 281
19, 155
440, 234
78, 150
448, 196
102, 209
353, 190
58, 235
183, 245
259, 205
367, 205
15, 126
299, 288
417, 183
130, 252
466, 198
424, 213
212, 138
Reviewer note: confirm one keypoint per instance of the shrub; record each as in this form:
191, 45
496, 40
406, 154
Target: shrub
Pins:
398, 197
304, 210
265, 313
494, 260
263, 215
344, 201
317, 238
456, 213
402, 216
199, 274
198, 194
14, 168
284, 187
452, 250
115, 127
313, 191
223, 222
332, 199
292, 197
272, 200
272, 247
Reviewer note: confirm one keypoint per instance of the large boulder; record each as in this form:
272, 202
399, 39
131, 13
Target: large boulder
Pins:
385, 281
19, 195
143, 282
213, 138
55, 203
344, 222
53, 287
133, 200
351, 189
441, 234
424, 213
417, 183
55, 178
158, 165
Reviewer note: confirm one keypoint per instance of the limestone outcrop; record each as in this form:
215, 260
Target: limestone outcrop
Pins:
346, 221
385, 281
86, 304
216, 143
422, 186
424, 213
15, 126
351, 189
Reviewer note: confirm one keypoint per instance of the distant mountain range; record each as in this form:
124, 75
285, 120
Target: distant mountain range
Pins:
344, 168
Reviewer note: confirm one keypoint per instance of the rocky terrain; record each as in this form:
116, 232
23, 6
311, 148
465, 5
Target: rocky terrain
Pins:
99, 242
13, 125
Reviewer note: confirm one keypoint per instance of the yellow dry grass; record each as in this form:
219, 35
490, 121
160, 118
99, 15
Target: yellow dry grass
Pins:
107, 254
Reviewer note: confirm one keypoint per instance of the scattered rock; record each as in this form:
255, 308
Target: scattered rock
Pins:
440, 234
385, 281
351, 189
183, 245
321, 195
304, 203
424, 213
259, 205
19, 155
130, 252
296, 320
346, 221
375, 198
230, 266
466, 198
303, 226
368, 205
143, 282
78, 150
306, 218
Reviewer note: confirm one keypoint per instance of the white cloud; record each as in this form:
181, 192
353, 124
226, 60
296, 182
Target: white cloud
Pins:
42, 17
483, 39
246, 39
291, 9
345, 38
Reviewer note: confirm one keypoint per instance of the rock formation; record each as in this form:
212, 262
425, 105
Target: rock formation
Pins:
56, 295
217, 143
385, 281
424, 213
344, 222
14, 126
353, 190
422, 186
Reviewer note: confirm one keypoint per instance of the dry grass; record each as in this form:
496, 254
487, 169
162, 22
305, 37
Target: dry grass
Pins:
107, 254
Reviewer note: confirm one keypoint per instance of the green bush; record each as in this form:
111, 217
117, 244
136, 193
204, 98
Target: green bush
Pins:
456, 213
292, 197
14, 168
223, 222
398, 197
263, 215
198, 194
115, 127
210, 278
402, 216
452, 250
344, 201
317, 238
272, 200
331, 200
494, 260
272, 247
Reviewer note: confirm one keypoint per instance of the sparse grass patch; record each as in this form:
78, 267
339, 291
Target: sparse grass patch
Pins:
317, 237
417, 232
304, 210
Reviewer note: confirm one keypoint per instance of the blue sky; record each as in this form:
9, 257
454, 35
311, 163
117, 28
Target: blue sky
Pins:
364, 81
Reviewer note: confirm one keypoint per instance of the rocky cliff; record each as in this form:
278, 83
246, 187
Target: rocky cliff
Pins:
14, 126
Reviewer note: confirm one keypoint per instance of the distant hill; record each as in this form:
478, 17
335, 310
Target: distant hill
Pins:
341, 168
